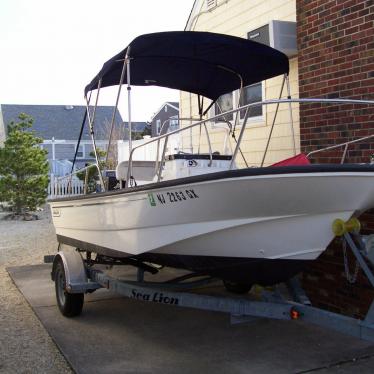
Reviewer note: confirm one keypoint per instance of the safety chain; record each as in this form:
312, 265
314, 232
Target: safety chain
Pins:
351, 278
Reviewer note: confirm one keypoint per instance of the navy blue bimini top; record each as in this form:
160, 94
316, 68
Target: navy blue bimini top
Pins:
203, 63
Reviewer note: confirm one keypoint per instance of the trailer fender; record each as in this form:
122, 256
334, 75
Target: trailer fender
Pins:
74, 267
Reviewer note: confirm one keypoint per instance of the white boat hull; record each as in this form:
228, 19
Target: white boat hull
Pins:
277, 216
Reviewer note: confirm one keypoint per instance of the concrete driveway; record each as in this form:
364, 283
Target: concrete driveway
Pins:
118, 335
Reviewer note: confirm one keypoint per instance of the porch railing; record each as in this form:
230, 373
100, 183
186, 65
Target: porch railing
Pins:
64, 187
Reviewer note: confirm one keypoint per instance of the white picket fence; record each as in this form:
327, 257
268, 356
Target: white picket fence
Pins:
60, 187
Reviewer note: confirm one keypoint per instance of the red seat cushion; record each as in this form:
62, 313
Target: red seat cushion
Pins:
299, 159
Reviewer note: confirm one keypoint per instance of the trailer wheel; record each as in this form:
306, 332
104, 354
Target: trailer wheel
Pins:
70, 304
238, 288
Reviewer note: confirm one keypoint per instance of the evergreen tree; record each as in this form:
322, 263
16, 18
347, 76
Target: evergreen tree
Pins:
23, 168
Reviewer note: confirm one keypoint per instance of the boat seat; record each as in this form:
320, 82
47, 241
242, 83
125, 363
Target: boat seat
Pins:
299, 159
141, 170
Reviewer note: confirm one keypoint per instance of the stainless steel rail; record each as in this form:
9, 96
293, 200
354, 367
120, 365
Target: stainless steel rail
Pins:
345, 145
244, 107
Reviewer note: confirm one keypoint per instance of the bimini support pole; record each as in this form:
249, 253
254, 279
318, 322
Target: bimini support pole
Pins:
115, 109
79, 140
237, 114
291, 116
128, 76
92, 133
272, 125
237, 148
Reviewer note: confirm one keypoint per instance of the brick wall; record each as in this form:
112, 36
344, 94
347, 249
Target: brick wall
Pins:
336, 60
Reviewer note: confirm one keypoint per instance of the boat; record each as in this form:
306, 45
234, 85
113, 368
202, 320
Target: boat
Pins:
204, 211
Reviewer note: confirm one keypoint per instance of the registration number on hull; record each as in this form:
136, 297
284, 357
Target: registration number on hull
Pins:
172, 197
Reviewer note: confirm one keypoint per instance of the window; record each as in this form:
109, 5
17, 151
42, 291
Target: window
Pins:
158, 126
250, 94
173, 125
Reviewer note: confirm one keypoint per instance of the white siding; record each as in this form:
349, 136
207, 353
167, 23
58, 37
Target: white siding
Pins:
238, 17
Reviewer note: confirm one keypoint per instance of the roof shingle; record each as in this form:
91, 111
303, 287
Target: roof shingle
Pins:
64, 122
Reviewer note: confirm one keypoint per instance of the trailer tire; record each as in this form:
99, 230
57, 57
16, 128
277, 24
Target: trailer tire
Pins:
237, 288
70, 304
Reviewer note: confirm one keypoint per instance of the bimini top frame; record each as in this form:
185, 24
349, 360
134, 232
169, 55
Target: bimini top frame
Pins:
203, 63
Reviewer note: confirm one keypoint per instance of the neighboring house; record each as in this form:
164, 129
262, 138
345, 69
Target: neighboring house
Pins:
138, 128
333, 58
166, 119
59, 126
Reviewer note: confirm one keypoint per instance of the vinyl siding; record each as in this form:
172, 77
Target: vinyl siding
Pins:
238, 17
64, 151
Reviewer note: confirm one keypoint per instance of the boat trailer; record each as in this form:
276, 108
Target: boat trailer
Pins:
73, 276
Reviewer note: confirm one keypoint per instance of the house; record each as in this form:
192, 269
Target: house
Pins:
253, 20
335, 60
59, 127
138, 129
166, 119
330, 47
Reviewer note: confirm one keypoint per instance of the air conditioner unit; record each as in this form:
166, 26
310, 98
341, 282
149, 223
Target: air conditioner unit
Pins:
280, 35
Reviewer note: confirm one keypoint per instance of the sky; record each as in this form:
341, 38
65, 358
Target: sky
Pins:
51, 49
